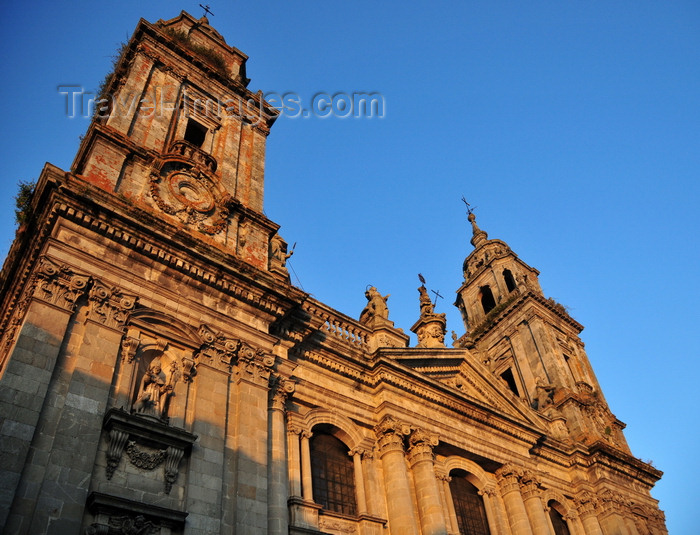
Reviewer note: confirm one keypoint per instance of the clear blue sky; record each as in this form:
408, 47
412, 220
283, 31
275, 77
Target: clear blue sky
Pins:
573, 126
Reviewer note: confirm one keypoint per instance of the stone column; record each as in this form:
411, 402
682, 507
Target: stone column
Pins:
587, 506
509, 481
277, 473
494, 510
533, 504
450, 512
356, 455
402, 517
420, 456
294, 465
306, 480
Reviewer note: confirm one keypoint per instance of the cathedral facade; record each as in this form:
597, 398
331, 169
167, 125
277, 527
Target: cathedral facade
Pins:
159, 373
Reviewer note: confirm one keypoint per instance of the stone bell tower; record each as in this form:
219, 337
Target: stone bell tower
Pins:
136, 304
178, 132
530, 341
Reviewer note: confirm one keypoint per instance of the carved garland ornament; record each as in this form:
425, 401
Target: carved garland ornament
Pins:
142, 459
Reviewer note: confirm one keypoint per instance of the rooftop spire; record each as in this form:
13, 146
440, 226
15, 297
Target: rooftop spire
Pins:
478, 236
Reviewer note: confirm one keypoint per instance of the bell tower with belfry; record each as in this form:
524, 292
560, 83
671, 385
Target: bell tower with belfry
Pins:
177, 132
530, 341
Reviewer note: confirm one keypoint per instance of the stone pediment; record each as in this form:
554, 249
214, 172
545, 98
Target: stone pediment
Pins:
462, 371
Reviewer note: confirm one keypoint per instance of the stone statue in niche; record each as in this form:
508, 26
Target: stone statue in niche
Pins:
376, 306
543, 394
154, 391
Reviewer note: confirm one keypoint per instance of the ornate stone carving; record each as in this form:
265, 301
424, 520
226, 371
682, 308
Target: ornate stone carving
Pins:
279, 255
431, 331
183, 185
155, 390
59, 285
422, 444
143, 459
117, 439
254, 365
586, 504
509, 477
376, 306
189, 370
280, 390
109, 306
390, 433
129, 347
173, 455
217, 347
124, 525
543, 394
529, 484
333, 525
122, 427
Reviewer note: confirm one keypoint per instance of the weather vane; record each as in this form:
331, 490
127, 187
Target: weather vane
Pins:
206, 9
469, 206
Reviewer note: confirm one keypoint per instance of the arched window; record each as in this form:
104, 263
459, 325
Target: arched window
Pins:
558, 522
469, 506
487, 300
332, 474
509, 279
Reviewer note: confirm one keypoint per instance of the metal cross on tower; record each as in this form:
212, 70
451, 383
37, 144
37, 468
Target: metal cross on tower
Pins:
206, 9
469, 206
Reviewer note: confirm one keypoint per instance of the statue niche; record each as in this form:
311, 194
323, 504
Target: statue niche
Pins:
155, 384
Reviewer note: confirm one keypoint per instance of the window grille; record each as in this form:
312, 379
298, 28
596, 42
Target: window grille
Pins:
469, 506
332, 474
558, 522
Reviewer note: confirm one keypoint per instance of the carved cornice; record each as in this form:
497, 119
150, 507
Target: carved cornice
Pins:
241, 290
383, 373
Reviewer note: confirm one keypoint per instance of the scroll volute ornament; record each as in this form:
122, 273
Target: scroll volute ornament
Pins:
58, 284
110, 306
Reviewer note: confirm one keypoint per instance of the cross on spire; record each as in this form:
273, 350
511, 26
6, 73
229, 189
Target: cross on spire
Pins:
206, 9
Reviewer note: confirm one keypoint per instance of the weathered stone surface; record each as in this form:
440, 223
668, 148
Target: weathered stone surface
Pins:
158, 371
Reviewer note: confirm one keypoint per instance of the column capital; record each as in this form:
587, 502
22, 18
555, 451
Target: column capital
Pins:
530, 485
280, 390
390, 434
58, 284
421, 448
508, 477
586, 504
110, 306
